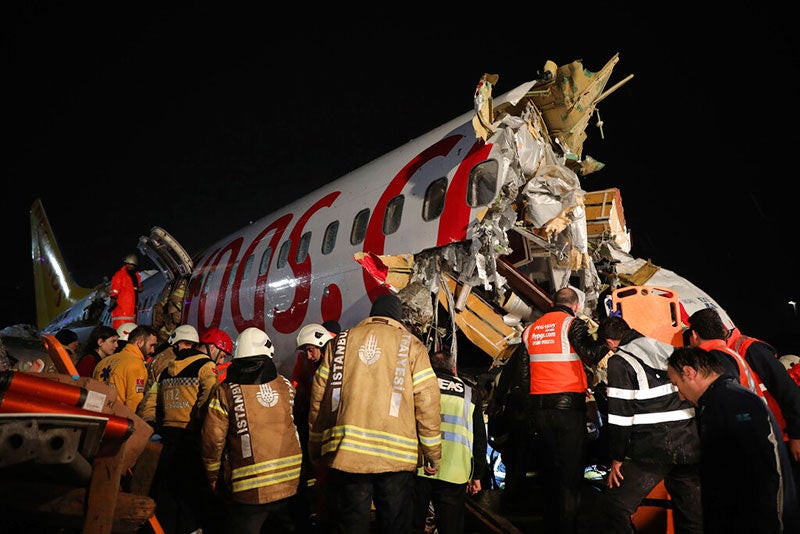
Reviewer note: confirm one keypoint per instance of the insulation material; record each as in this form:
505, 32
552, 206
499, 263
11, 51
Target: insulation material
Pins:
568, 101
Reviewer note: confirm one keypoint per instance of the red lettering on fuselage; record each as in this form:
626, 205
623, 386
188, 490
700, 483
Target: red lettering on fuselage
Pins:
257, 319
290, 319
452, 226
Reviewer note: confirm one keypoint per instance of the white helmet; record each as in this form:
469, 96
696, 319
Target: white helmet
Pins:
253, 342
131, 259
313, 334
184, 332
789, 360
124, 330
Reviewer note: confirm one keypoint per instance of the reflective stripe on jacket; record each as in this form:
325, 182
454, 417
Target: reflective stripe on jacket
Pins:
773, 389
554, 364
647, 420
123, 288
746, 376
375, 401
457, 432
252, 425
176, 399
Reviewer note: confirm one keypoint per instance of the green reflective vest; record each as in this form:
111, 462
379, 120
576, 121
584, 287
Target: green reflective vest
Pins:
456, 413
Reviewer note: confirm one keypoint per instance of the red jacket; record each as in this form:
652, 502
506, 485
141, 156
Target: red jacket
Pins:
126, 293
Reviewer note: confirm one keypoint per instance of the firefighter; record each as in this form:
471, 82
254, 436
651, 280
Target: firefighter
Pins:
126, 284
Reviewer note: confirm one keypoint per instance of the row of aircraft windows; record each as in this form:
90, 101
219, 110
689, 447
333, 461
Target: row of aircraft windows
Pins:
481, 189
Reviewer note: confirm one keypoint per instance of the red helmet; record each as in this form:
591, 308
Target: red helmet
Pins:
219, 339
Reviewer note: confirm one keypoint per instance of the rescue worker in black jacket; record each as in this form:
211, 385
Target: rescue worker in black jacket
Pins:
746, 480
652, 432
558, 345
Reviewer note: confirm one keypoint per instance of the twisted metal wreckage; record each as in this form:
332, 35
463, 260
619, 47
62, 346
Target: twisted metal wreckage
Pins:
543, 232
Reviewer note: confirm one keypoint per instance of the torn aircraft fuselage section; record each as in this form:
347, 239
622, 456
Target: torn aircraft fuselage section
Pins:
541, 230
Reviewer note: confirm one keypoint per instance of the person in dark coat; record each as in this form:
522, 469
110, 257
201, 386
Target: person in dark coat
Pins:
746, 480
652, 432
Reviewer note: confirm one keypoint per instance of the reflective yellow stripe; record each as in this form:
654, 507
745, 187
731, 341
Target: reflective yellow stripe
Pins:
423, 375
323, 372
266, 473
217, 407
370, 442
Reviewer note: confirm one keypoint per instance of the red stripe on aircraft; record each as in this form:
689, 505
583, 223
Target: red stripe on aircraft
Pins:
454, 220
374, 240
290, 319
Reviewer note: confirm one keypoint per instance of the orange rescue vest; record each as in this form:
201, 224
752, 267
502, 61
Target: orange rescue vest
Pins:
555, 366
740, 343
747, 377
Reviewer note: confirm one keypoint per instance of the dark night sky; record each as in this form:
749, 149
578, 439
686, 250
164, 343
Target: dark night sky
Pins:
200, 120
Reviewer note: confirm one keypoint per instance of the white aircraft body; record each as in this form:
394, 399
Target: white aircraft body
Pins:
473, 225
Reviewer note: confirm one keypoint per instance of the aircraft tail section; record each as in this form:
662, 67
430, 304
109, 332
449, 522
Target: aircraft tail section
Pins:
55, 289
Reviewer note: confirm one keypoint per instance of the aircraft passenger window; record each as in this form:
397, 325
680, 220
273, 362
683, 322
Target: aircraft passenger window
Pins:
283, 254
393, 215
263, 265
359, 230
302, 248
329, 239
232, 275
247, 266
482, 183
207, 284
433, 205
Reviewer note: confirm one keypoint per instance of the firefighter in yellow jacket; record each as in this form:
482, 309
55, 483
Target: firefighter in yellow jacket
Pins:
249, 442
374, 418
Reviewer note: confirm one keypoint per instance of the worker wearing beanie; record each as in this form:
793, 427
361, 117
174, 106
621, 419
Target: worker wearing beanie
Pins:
374, 404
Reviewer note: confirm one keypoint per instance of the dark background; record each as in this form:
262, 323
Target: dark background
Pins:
202, 119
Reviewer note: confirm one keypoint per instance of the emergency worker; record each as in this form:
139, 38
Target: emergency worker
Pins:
125, 370
183, 337
746, 480
374, 403
707, 331
464, 461
174, 406
782, 394
310, 504
652, 432
123, 331
509, 425
126, 284
167, 312
249, 443
219, 347
558, 344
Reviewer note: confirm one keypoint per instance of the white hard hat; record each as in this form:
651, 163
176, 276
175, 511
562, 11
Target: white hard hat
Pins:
124, 330
313, 334
131, 259
253, 342
788, 360
184, 332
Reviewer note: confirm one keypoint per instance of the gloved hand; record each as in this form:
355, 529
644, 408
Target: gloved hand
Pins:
112, 303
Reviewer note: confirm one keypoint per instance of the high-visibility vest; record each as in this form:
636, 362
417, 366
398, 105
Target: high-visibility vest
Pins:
554, 364
740, 343
457, 433
747, 377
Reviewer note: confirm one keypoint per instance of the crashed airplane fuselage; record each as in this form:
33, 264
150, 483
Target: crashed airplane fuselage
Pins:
483, 217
